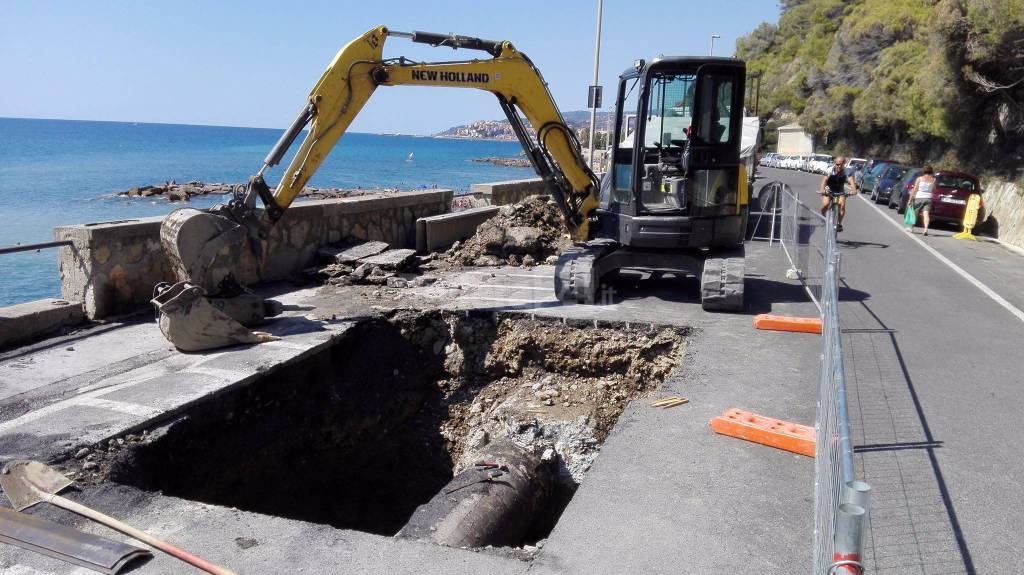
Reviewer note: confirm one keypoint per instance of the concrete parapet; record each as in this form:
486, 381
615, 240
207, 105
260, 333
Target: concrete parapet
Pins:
445, 229
30, 320
112, 266
508, 192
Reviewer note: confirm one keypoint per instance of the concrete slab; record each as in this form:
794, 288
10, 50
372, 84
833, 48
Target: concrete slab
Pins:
441, 231
252, 543
391, 259
31, 320
354, 253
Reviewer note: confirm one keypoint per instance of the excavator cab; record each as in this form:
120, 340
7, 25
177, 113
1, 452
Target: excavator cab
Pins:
674, 179
675, 195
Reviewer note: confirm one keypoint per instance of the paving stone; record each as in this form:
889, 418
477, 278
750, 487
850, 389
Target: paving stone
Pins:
352, 254
391, 259
168, 391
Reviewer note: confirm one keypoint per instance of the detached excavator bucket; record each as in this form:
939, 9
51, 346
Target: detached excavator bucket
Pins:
191, 323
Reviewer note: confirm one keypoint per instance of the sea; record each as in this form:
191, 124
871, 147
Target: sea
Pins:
58, 172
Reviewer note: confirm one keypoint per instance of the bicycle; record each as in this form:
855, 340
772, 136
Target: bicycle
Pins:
832, 217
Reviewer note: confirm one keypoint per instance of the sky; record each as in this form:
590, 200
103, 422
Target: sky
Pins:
253, 63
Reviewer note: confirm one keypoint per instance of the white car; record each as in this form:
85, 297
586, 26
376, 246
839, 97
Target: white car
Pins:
821, 164
792, 162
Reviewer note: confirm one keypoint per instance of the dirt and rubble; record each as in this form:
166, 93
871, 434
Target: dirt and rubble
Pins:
555, 390
357, 262
527, 233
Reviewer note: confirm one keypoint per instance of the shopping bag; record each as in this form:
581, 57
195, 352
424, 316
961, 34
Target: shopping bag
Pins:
911, 215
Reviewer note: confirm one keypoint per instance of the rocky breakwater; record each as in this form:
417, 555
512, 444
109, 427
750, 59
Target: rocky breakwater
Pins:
505, 162
175, 192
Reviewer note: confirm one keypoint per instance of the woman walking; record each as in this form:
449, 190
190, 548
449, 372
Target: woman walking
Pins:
921, 196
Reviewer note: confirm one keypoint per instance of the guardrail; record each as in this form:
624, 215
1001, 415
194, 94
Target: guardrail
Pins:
840, 500
33, 247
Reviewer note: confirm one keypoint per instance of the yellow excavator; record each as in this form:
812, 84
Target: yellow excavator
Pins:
674, 198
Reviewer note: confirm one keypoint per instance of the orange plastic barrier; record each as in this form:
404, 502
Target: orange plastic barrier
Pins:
788, 323
766, 431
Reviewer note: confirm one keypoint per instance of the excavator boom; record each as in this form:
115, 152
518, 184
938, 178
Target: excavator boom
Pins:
206, 248
359, 68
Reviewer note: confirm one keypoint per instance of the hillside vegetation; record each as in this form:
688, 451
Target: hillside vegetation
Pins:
922, 80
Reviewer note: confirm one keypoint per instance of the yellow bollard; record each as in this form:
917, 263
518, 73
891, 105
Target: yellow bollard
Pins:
970, 218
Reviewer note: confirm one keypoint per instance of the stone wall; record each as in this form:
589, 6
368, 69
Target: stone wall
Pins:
508, 192
1004, 207
112, 266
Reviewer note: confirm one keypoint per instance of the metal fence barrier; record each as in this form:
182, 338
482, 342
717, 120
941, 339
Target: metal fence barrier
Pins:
33, 247
840, 501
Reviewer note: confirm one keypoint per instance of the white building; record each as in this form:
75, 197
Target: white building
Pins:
793, 141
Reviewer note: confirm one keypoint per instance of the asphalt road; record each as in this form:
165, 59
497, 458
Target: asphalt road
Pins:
933, 373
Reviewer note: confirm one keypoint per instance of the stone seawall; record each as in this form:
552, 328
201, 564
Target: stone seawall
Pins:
1004, 207
112, 266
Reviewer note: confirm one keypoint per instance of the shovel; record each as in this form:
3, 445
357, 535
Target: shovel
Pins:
29, 482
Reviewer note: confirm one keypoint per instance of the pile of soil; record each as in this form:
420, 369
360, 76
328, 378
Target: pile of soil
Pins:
552, 389
527, 233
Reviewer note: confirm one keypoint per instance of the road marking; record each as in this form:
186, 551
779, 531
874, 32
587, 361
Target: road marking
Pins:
508, 275
507, 299
977, 283
509, 287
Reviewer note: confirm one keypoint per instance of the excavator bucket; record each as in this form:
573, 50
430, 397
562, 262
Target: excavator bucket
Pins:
202, 247
190, 322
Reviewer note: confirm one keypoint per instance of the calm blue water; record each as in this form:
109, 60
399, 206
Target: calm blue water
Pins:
55, 172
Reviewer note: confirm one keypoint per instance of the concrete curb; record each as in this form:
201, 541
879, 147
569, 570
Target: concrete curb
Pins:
30, 320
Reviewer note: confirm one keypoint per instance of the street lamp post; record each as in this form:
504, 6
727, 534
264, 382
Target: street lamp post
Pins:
594, 96
712, 52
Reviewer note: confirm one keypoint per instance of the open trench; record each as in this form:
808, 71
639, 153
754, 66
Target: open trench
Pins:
365, 432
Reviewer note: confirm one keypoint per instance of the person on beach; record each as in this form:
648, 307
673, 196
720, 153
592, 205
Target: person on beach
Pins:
836, 181
921, 196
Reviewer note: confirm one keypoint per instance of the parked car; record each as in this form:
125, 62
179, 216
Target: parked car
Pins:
867, 181
788, 162
805, 163
949, 200
891, 176
821, 164
854, 163
868, 166
898, 198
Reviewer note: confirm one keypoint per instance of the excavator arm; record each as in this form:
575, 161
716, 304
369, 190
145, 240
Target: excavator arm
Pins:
208, 308
359, 68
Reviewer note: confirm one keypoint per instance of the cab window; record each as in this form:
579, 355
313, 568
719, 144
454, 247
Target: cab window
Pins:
622, 167
716, 110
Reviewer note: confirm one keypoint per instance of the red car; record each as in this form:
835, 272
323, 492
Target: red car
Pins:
949, 200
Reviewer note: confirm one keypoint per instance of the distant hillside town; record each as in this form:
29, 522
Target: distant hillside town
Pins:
502, 130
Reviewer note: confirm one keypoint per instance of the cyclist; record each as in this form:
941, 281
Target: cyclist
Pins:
835, 181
